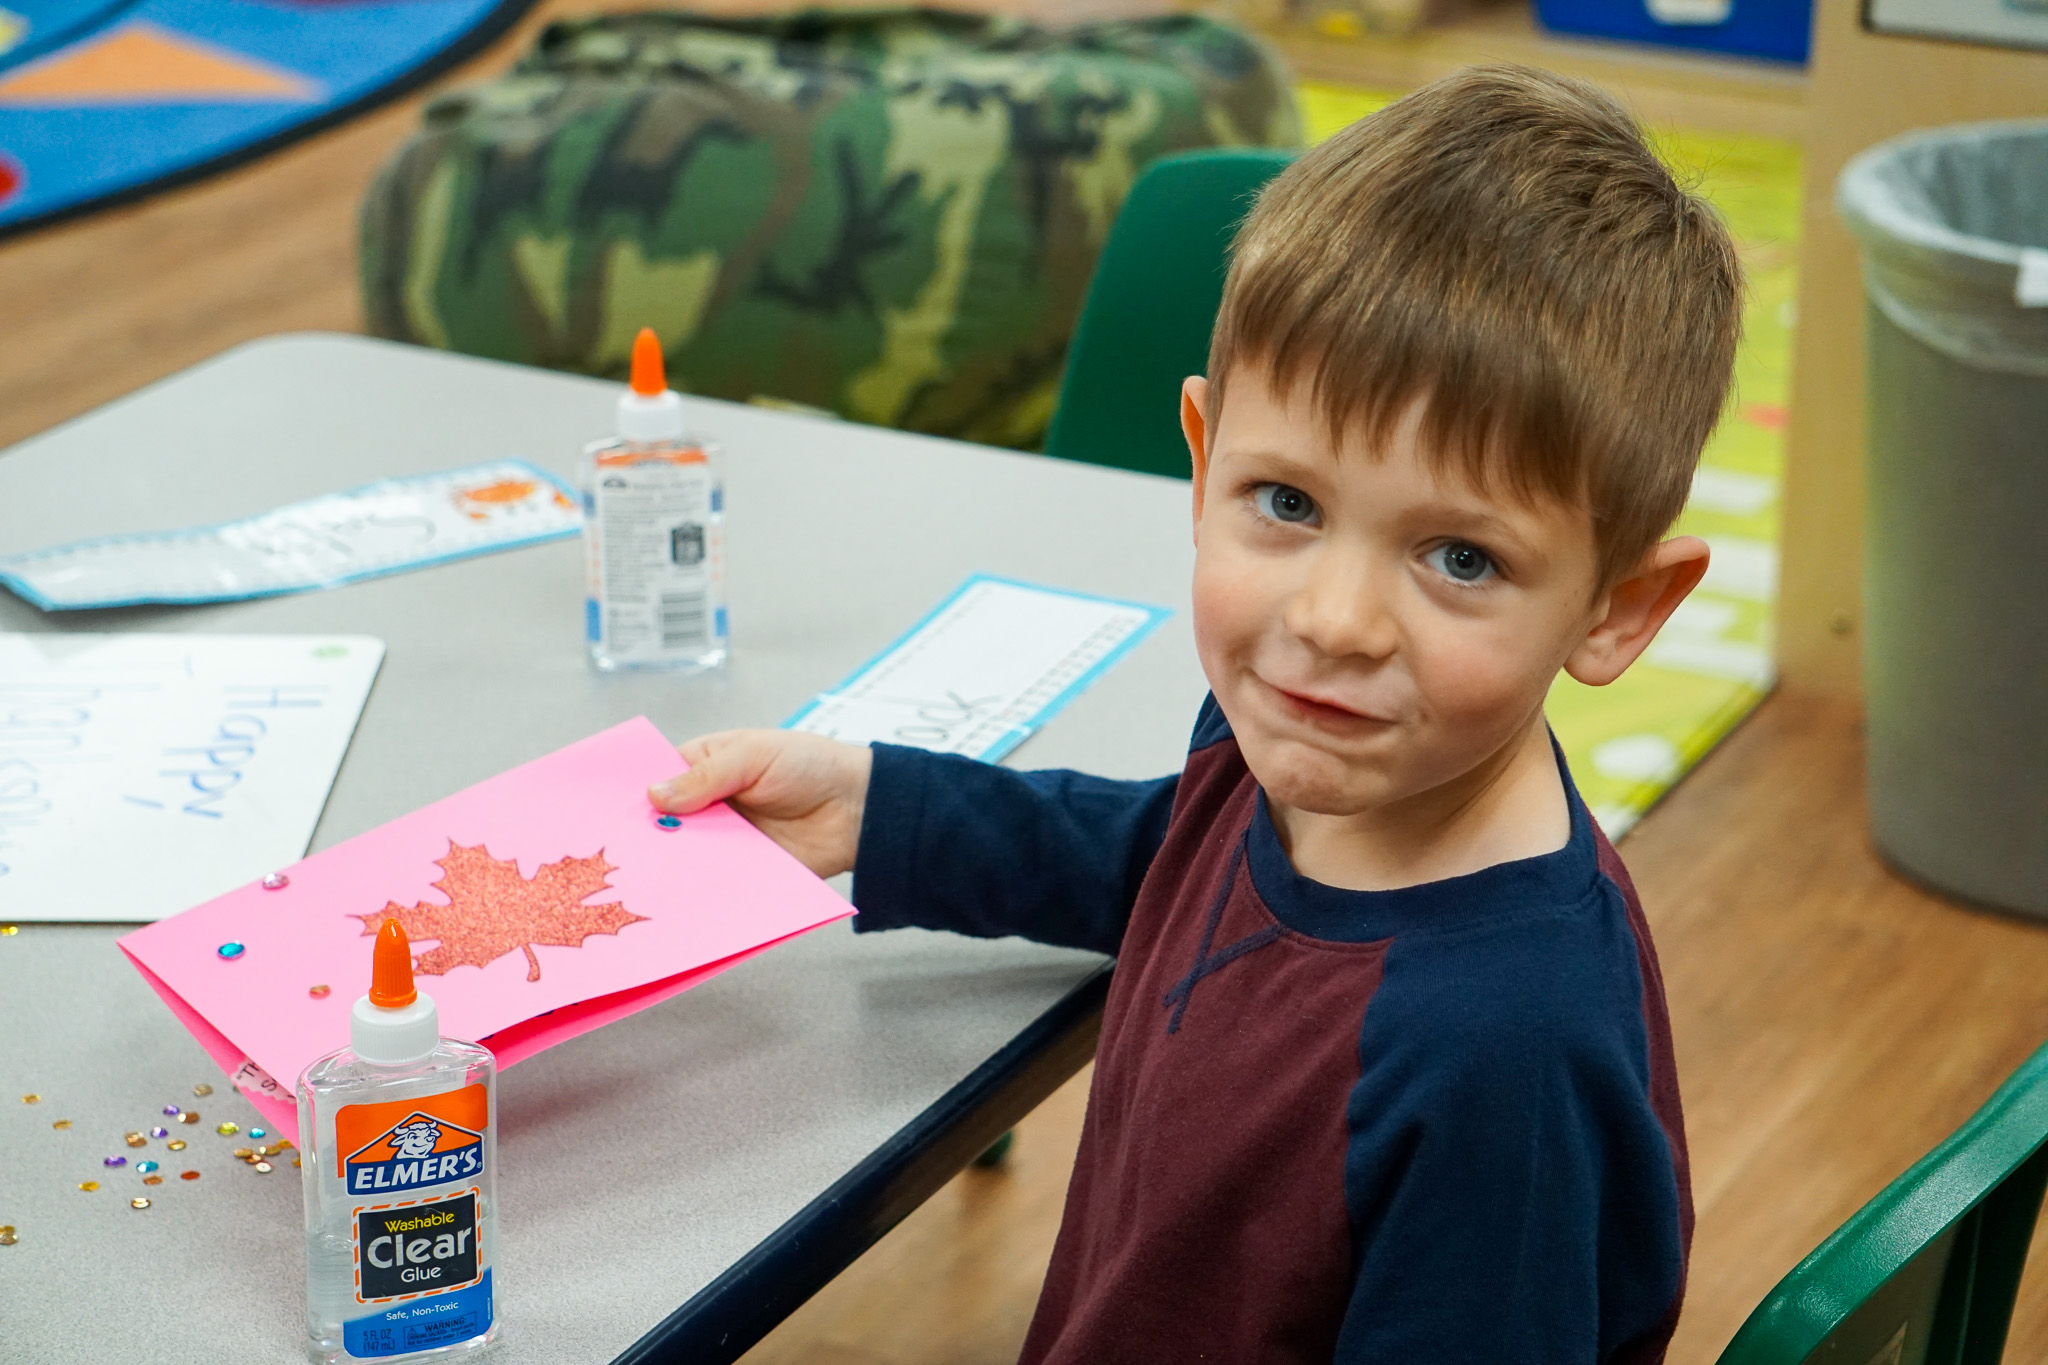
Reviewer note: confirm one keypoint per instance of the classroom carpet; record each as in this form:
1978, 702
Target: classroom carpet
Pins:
1630, 742
104, 100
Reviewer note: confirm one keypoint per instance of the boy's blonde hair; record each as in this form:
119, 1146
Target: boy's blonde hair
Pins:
1502, 247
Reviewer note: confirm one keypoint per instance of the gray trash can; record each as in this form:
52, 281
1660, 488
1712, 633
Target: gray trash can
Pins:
1954, 229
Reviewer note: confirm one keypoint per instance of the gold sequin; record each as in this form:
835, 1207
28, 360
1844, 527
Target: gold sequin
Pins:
189, 1116
202, 1089
61, 1123
263, 1168
136, 1140
9, 930
31, 1099
295, 1161
152, 1180
7, 1237
177, 1144
228, 1129
88, 1185
138, 1202
244, 1152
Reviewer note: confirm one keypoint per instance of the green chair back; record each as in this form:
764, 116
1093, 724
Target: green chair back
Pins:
1150, 308
1926, 1271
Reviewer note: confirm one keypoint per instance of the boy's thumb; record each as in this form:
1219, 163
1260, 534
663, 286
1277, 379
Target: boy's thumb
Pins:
687, 792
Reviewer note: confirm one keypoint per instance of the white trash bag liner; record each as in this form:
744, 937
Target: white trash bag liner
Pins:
1954, 228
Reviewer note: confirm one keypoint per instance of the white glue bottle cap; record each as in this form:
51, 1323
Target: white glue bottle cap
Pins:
650, 412
394, 1023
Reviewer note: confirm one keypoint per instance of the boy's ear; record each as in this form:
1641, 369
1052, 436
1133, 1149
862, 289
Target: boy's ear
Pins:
1637, 608
1194, 424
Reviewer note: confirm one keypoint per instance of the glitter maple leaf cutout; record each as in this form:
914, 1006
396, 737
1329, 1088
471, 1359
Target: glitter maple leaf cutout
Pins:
492, 909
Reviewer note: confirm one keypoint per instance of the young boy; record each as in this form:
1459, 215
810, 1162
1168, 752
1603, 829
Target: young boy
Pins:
1385, 1074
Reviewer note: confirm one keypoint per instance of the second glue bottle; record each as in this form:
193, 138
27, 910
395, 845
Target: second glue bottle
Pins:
653, 533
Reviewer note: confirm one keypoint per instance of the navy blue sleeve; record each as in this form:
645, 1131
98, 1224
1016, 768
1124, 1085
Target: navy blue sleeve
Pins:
952, 843
1512, 1193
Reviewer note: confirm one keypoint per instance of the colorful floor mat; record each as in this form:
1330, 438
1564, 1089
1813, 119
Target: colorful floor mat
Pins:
101, 100
1630, 742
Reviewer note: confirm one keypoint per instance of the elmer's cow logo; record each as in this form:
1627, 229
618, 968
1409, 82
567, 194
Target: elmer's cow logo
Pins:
419, 1150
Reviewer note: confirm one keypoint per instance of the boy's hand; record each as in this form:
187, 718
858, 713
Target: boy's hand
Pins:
803, 791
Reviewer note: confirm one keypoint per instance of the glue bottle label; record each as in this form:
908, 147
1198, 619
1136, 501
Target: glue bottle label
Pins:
656, 561
421, 1277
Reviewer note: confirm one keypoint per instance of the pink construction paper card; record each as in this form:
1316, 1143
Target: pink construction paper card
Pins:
541, 904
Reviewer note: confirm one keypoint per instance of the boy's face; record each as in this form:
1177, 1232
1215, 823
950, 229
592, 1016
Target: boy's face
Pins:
1372, 631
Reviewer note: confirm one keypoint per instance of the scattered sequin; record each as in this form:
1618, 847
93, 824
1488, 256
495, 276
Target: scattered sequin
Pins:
7, 1237
229, 1129
244, 1152
152, 1180
189, 1116
114, 1161
138, 1202
145, 1166
230, 951
177, 1144
88, 1185
9, 930
172, 1111
318, 992
135, 1140
202, 1089
159, 1131
276, 881
670, 822
264, 1168
259, 1133
31, 1099
61, 1123
188, 1175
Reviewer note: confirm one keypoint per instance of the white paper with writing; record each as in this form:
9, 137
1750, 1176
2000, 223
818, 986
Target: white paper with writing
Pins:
324, 542
983, 671
142, 774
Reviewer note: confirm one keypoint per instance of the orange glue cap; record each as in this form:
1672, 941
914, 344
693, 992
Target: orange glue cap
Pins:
391, 985
650, 412
648, 378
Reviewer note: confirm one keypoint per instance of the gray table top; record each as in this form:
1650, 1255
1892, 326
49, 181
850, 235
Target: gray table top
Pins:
640, 1161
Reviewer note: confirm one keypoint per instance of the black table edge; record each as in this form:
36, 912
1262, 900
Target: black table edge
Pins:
728, 1316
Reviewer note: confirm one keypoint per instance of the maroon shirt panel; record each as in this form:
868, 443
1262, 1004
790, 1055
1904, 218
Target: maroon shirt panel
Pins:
1225, 1139
1664, 1101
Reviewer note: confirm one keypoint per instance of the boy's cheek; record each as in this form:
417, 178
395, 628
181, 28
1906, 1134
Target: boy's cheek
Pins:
1478, 690
1228, 604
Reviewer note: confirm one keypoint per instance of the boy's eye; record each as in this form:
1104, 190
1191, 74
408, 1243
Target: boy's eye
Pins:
1284, 503
1461, 562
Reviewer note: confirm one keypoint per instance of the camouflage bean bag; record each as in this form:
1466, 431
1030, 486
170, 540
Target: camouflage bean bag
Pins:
891, 215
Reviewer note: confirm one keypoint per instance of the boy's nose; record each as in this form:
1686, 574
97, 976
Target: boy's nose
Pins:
1342, 608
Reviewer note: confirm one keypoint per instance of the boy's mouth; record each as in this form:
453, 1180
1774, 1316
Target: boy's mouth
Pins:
1317, 710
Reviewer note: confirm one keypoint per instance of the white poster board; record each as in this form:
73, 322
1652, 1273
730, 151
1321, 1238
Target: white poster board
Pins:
381, 528
143, 774
989, 666
1998, 23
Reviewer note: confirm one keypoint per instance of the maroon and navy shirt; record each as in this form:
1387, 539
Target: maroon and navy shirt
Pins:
1437, 1125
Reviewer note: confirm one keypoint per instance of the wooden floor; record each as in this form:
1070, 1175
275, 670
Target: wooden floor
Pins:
1832, 1022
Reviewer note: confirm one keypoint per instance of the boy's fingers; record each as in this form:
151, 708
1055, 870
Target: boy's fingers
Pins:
717, 770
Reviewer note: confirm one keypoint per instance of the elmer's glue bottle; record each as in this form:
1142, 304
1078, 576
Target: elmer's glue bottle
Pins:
399, 1143
653, 533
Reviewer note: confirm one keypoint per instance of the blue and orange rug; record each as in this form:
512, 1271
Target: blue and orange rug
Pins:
102, 100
